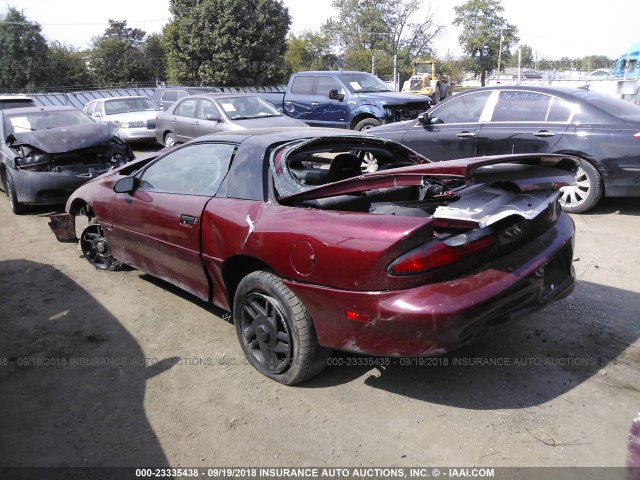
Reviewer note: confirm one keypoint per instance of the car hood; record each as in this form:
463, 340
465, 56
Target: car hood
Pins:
282, 121
64, 139
394, 98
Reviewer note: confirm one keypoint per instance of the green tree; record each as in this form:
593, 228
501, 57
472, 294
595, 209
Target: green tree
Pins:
23, 52
67, 66
117, 56
382, 28
309, 51
227, 42
526, 55
482, 29
155, 58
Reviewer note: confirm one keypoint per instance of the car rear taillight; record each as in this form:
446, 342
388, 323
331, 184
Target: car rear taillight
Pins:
637, 136
440, 254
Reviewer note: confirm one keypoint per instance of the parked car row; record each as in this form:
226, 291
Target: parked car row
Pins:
601, 130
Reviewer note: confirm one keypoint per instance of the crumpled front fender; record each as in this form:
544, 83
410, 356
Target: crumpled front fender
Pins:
63, 225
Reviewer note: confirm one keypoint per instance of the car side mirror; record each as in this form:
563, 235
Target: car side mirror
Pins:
125, 185
213, 117
335, 95
97, 115
425, 118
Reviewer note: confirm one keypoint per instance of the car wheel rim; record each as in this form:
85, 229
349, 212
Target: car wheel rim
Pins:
169, 141
369, 163
95, 247
265, 332
576, 194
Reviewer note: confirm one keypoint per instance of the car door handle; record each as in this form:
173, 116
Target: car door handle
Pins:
188, 219
466, 134
288, 102
314, 104
544, 133
196, 124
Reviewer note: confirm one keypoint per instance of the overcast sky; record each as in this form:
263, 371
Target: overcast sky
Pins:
553, 28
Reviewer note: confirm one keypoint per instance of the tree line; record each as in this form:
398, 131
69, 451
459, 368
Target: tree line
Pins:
248, 43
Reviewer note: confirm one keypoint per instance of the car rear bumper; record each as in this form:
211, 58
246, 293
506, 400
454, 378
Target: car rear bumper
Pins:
132, 134
436, 318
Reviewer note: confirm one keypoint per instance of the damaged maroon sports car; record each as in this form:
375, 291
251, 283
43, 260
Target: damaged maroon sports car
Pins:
310, 254
48, 152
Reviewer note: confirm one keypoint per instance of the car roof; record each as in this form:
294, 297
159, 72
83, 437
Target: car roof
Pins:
268, 136
12, 98
218, 95
121, 98
188, 89
14, 111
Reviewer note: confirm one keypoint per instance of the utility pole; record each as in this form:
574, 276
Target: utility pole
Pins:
500, 50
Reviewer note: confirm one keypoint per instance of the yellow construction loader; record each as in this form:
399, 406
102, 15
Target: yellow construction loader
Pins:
428, 79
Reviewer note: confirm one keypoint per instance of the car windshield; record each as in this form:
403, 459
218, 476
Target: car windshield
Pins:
364, 82
126, 105
246, 107
42, 120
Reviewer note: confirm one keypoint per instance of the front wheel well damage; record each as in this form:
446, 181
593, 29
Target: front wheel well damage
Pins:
80, 207
238, 267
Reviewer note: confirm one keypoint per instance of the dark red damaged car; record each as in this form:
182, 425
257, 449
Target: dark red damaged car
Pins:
282, 228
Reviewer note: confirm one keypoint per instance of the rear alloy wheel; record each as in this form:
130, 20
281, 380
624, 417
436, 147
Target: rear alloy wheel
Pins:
9, 187
275, 331
587, 191
367, 123
170, 140
96, 249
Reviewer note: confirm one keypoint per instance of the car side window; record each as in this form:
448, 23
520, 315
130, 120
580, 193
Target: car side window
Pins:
192, 170
302, 85
170, 96
205, 107
88, 109
326, 84
559, 111
187, 108
521, 106
463, 109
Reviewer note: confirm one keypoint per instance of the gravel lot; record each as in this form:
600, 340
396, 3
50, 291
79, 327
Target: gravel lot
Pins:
117, 368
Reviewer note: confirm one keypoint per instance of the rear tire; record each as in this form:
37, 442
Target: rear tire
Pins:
10, 187
170, 140
275, 330
586, 193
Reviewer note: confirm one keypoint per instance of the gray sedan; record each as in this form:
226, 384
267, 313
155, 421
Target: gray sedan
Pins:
199, 115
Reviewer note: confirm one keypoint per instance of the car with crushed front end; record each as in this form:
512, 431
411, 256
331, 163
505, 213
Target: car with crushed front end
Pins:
283, 229
601, 130
48, 152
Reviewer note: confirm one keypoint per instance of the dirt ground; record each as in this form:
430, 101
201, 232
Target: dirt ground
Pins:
120, 369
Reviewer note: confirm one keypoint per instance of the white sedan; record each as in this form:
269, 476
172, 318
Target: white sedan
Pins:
135, 116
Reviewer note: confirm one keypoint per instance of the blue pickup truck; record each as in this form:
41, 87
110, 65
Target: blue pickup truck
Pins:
355, 100
340, 99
